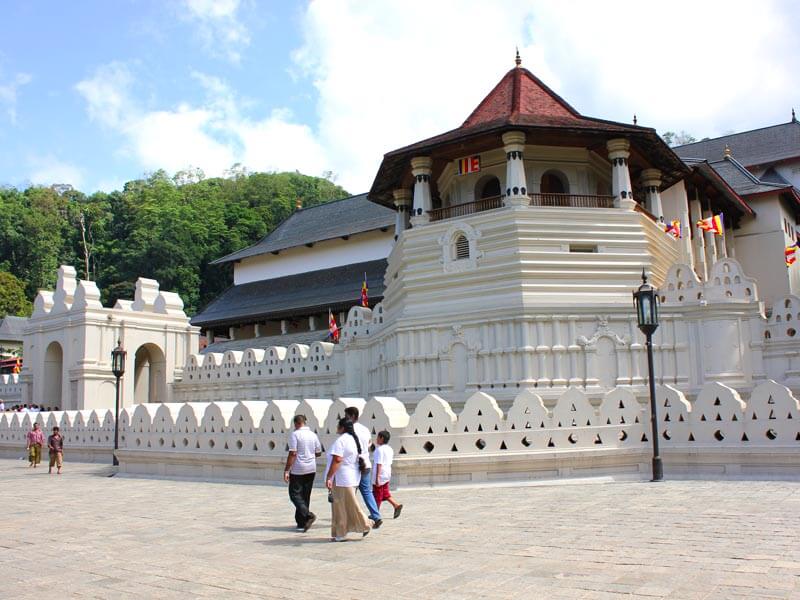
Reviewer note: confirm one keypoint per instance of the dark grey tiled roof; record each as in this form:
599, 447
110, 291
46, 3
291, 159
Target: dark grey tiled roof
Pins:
306, 337
308, 293
772, 176
324, 222
742, 180
756, 147
11, 327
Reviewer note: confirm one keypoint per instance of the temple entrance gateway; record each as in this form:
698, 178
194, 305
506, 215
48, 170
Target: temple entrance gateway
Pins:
53, 374
149, 375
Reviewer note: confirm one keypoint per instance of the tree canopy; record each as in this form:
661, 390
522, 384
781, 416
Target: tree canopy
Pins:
12, 296
161, 227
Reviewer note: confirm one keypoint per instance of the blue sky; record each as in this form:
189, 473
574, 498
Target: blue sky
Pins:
97, 93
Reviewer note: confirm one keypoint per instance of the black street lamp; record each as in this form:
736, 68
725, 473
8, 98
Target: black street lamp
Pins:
645, 299
118, 368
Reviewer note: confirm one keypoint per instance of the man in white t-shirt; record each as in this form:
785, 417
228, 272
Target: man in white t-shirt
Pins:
365, 487
382, 472
301, 467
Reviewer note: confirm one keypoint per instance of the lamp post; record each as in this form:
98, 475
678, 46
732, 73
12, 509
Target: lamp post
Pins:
645, 299
118, 368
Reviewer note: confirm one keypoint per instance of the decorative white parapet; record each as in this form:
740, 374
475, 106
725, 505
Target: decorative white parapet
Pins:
718, 433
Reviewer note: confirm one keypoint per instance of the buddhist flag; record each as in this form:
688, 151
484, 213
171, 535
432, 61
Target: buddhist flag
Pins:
364, 292
333, 328
674, 229
471, 164
712, 224
790, 254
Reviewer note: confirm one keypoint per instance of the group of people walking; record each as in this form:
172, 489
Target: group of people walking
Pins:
348, 468
55, 446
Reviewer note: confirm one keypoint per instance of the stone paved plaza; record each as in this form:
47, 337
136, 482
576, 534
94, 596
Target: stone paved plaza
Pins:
84, 535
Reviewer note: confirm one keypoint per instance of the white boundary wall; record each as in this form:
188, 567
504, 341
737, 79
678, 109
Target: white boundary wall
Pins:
717, 434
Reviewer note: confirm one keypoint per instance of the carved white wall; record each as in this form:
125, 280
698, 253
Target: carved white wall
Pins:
718, 430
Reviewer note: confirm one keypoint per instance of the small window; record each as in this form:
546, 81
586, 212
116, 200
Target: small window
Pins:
586, 248
462, 247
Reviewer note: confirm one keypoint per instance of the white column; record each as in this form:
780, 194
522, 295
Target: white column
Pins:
722, 249
574, 350
421, 169
402, 204
210, 336
686, 232
618, 153
559, 353
542, 349
284, 326
711, 244
651, 180
231, 333
312, 323
697, 236
729, 245
516, 187
257, 330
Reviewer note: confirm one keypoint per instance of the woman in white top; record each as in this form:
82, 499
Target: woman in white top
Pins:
342, 479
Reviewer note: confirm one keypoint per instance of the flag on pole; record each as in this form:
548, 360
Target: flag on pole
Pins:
365, 293
333, 328
790, 253
712, 224
674, 229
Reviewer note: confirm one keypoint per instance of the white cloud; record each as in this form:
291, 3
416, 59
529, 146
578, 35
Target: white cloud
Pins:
390, 74
219, 26
211, 135
8, 94
48, 170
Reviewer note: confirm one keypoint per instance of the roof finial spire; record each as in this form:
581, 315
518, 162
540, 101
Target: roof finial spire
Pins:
635, 120
727, 151
518, 60
793, 117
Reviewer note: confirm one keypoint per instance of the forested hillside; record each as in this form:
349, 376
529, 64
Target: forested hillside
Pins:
165, 228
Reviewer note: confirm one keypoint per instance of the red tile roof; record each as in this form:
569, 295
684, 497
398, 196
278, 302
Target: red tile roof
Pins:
520, 92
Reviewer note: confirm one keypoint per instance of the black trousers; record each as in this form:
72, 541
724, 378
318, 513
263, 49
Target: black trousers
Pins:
300, 487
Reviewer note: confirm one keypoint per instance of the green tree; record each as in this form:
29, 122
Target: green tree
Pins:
12, 296
164, 227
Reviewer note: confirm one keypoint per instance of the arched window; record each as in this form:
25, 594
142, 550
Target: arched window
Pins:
554, 182
461, 247
488, 187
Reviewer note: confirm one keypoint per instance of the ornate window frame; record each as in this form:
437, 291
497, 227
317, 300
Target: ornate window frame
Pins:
447, 242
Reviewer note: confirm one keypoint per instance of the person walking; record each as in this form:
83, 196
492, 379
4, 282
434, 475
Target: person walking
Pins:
55, 444
382, 472
301, 467
35, 441
342, 479
365, 485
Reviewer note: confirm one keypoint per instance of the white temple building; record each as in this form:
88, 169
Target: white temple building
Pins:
500, 257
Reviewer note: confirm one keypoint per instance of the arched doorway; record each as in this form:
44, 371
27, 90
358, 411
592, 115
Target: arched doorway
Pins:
53, 374
487, 187
149, 375
554, 182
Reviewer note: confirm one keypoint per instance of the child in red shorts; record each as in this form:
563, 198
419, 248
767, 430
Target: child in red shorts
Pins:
382, 472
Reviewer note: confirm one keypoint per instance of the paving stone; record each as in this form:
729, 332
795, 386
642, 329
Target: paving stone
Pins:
121, 537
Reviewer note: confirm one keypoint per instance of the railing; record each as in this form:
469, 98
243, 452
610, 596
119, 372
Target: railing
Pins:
639, 208
572, 200
468, 208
